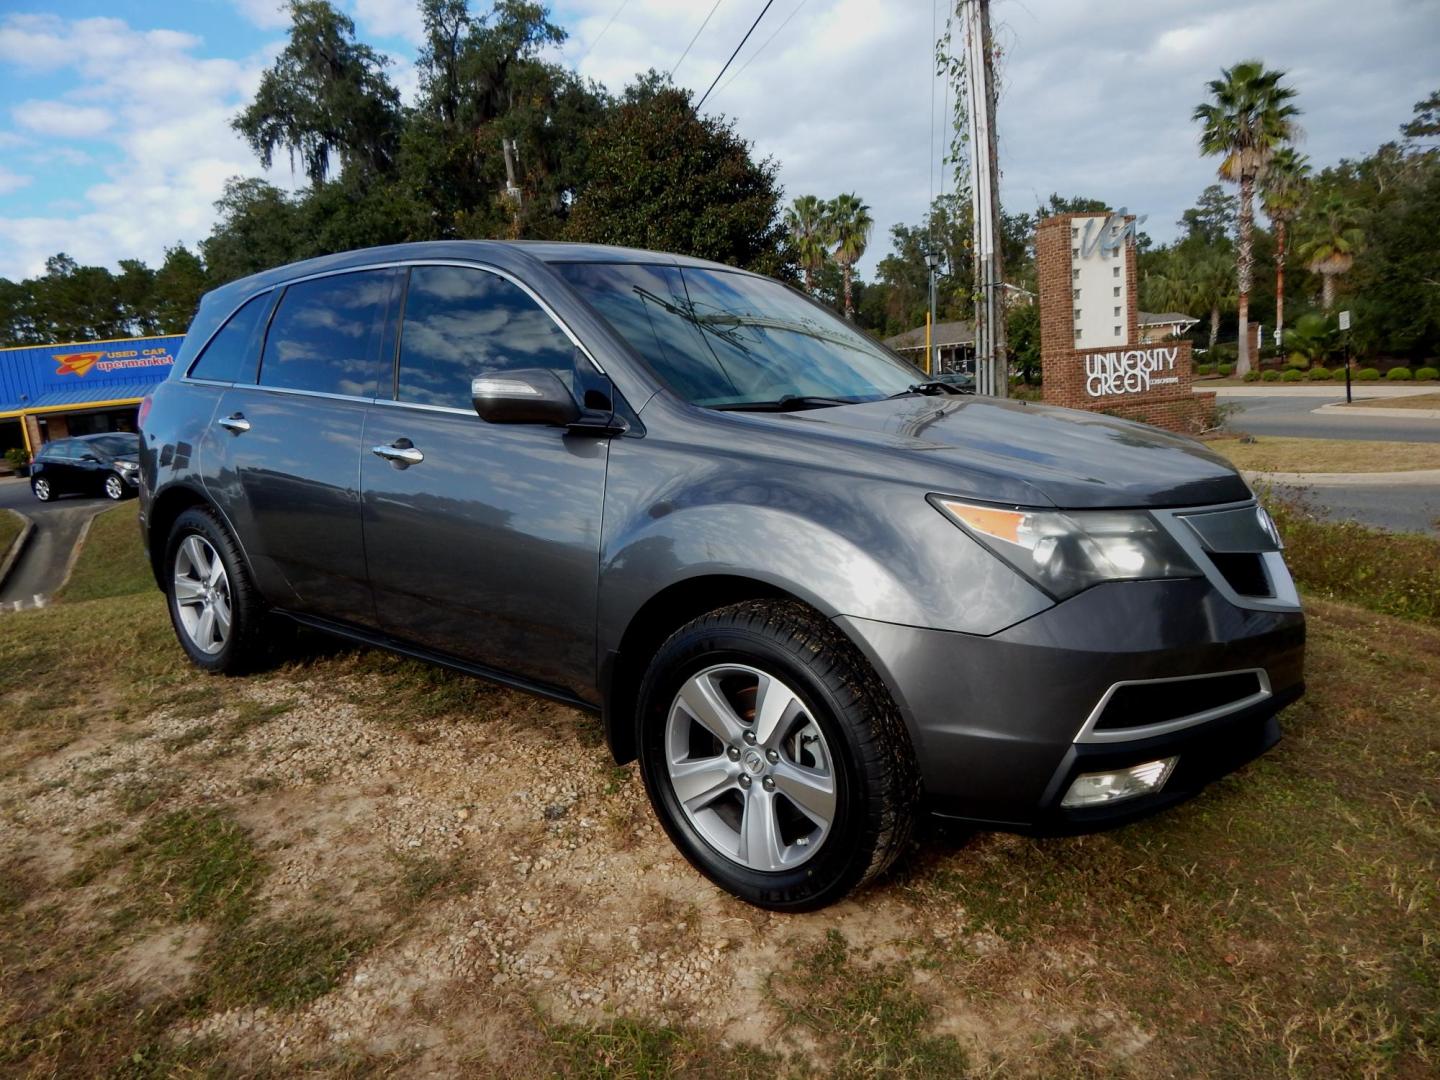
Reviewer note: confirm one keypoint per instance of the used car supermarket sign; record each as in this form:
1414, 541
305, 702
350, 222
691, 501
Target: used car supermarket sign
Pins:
30, 372
1130, 371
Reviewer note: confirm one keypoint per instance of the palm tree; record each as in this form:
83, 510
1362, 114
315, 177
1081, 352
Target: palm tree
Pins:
1331, 242
1282, 190
1214, 288
850, 225
1248, 117
809, 228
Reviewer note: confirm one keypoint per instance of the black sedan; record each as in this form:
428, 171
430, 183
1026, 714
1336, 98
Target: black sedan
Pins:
91, 464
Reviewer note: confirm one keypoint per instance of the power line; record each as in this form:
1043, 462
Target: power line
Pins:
602, 33
761, 49
736, 52
695, 38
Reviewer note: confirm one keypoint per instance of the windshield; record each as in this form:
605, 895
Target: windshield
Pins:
729, 340
115, 445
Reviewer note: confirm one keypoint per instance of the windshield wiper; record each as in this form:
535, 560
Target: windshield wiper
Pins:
788, 403
928, 389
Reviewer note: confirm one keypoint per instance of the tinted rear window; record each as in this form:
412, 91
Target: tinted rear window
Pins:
230, 356
324, 336
116, 445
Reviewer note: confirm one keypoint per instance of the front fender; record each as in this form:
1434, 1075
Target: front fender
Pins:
847, 544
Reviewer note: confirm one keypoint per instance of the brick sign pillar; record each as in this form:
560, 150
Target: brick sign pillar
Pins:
1090, 351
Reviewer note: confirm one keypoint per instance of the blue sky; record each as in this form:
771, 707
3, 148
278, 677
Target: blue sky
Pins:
114, 139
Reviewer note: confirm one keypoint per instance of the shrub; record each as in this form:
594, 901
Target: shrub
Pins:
1252, 375
1398, 374
1318, 373
1338, 373
1204, 369
1428, 374
1298, 362
18, 458
1270, 375
1226, 369
1367, 374
1292, 375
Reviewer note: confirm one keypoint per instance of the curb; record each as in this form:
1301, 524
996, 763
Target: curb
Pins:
1341, 409
1413, 478
75, 551
18, 548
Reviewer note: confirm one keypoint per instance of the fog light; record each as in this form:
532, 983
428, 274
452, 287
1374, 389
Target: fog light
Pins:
1093, 788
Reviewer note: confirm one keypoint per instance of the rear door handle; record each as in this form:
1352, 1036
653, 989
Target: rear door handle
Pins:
235, 422
402, 457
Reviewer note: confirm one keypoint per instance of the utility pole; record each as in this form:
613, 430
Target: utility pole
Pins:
932, 350
992, 370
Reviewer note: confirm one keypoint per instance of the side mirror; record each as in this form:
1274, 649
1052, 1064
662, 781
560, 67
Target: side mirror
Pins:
529, 396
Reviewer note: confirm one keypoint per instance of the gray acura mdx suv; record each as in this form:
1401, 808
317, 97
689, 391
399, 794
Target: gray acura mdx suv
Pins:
814, 594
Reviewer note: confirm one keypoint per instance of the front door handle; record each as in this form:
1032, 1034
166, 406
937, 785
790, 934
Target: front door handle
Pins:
402, 453
235, 422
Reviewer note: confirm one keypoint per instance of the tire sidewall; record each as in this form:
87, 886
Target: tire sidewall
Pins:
843, 857
199, 523
119, 481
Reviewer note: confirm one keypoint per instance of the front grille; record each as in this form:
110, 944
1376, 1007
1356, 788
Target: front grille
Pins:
1135, 705
1243, 571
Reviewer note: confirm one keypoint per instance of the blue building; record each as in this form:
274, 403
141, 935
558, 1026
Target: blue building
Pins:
81, 388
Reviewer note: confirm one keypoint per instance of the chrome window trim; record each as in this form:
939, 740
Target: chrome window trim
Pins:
392, 403
324, 394
1088, 733
1286, 597
221, 326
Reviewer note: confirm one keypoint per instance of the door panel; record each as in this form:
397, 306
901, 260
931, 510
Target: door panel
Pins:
488, 548
290, 487
283, 457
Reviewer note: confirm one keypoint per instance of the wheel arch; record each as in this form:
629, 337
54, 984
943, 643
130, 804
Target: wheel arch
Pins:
167, 505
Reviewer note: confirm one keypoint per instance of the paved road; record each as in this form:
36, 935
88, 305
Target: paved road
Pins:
57, 526
1399, 509
1296, 416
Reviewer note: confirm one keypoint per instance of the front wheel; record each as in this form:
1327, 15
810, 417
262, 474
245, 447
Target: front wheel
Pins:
774, 757
41, 489
114, 487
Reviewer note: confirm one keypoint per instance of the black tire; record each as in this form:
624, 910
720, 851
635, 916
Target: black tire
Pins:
876, 777
42, 489
245, 648
113, 487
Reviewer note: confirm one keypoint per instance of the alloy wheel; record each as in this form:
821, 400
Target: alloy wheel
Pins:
42, 490
114, 487
750, 768
202, 594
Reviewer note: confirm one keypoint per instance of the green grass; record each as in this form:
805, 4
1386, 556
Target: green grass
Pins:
112, 561
196, 864
11, 525
1395, 574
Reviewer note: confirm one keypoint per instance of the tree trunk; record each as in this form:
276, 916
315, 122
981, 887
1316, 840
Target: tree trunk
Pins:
1214, 325
809, 280
849, 306
1327, 291
1280, 278
1244, 267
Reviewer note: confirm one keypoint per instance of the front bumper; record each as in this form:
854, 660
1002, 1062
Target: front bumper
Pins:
994, 720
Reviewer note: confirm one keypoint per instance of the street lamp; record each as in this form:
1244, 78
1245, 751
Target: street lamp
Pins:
932, 263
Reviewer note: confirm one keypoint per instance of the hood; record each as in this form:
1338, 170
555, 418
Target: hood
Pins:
1036, 454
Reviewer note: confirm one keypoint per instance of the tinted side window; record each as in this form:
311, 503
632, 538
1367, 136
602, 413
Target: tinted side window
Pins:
230, 354
324, 334
460, 322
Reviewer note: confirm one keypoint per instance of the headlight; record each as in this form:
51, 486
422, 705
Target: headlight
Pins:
1064, 552
125, 466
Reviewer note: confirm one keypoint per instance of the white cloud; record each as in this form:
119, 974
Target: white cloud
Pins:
11, 181
159, 130
390, 18
57, 119
266, 14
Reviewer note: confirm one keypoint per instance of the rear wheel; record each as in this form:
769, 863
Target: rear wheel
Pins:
41, 489
216, 611
114, 487
774, 757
